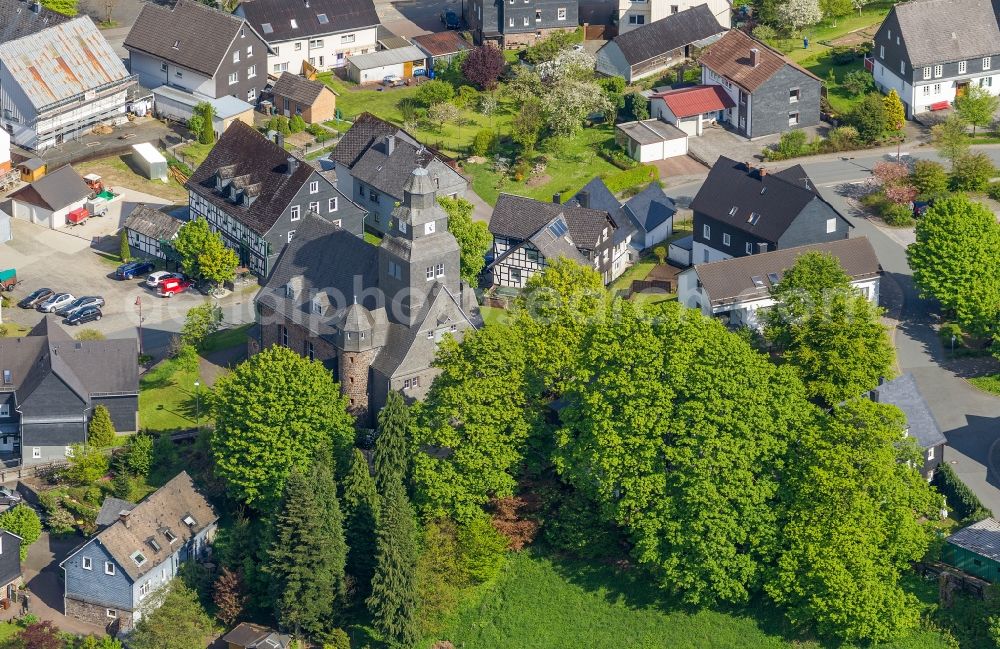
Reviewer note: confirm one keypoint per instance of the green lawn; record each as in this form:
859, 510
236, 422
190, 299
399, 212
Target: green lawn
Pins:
493, 315
539, 603
226, 338
828, 30
13, 330
194, 153
989, 383
8, 630
840, 100
167, 398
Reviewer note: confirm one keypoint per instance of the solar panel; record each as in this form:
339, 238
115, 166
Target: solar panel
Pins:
322, 19
266, 28
558, 227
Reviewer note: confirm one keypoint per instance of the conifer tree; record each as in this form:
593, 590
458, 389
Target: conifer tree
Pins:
360, 515
102, 429
391, 452
393, 602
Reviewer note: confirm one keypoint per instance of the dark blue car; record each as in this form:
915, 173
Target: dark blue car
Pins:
86, 314
450, 20
133, 269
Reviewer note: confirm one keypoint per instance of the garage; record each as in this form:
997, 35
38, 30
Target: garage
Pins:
650, 140
178, 105
48, 200
404, 62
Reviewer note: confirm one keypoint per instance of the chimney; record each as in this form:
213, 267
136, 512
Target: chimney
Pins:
123, 517
279, 139
293, 164
584, 198
761, 247
557, 199
36, 6
390, 144
754, 57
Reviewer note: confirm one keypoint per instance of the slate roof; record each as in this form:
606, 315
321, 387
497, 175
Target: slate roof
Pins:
442, 43
298, 89
982, 537
732, 280
940, 31
651, 131
111, 509
599, 197
903, 393
63, 62
696, 100
54, 190
191, 34
518, 217
777, 197
254, 636
273, 18
674, 31
650, 208
245, 152
386, 57
365, 130
730, 57
18, 20
164, 509
388, 171
152, 223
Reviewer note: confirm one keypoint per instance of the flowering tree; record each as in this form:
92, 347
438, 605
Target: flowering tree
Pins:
796, 14
568, 102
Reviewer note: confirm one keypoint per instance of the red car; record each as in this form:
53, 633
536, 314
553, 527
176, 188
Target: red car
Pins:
169, 287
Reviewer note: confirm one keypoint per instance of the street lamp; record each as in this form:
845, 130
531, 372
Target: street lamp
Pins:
197, 403
953, 344
138, 303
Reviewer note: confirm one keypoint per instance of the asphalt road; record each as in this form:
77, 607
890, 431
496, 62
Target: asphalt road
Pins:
969, 418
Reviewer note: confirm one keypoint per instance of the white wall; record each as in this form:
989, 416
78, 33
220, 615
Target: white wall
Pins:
655, 10
679, 255
699, 251
333, 51
151, 75
657, 234
31, 213
369, 75
731, 115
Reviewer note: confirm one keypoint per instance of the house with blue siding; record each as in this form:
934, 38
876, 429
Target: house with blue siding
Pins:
109, 579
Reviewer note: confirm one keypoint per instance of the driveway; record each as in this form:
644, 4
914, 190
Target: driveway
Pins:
716, 141
43, 577
409, 18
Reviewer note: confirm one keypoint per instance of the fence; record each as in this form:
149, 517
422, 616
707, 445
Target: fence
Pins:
650, 285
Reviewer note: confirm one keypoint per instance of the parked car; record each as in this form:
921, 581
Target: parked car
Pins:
9, 496
920, 207
172, 286
159, 276
55, 302
450, 20
86, 314
133, 269
80, 303
392, 80
35, 297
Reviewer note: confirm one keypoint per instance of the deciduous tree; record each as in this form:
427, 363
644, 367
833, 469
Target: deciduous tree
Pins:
172, 619
796, 14
474, 238
87, 464
200, 322
203, 253
138, 454
525, 130
483, 66
950, 138
977, 106
23, 521
101, 430
228, 596
393, 602
972, 172
434, 91
39, 635
929, 177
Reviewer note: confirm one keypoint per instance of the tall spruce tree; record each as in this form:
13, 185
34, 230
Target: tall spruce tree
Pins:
306, 559
360, 516
392, 458
393, 602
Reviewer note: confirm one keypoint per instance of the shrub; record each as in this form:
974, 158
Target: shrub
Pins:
296, 124
843, 138
897, 215
966, 505
948, 330
929, 177
972, 172
481, 549
547, 49
638, 105
870, 118
792, 143
765, 33
483, 142
408, 109
993, 191
843, 55
857, 82
467, 97
616, 156
434, 92
640, 175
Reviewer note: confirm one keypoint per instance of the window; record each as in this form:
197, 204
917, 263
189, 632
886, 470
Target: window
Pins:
987, 62
938, 71
295, 25
296, 212
636, 20
937, 88
251, 72
927, 90
961, 67
280, 67
4, 410
163, 67
402, 226
144, 589
315, 43
112, 613
881, 51
250, 51
927, 72
314, 207
510, 22
674, 9
429, 273
439, 270
902, 67
538, 15
284, 335
930, 453
234, 77
704, 256
725, 239
7, 378
87, 563
252, 95
331, 205
171, 537
831, 225
236, 56
561, 13
313, 186
888, 34
749, 248
793, 95
429, 227
525, 20
36, 452
986, 82
515, 275
243, 32
793, 118
109, 568
706, 231
276, 50
347, 38
178, 74
291, 235
395, 270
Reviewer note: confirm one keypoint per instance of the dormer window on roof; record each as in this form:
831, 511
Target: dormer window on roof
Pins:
171, 537
189, 521
153, 543
295, 25
322, 19
139, 558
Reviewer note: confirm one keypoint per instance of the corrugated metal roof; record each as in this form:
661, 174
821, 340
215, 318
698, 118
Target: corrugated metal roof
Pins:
386, 57
225, 107
983, 538
62, 62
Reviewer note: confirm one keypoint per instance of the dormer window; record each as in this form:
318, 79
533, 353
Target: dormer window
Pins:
289, 291
189, 521
317, 307
171, 537
139, 558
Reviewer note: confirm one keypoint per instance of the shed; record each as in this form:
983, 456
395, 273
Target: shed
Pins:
48, 200
31, 169
441, 47
148, 229
6, 231
150, 161
403, 62
178, 105
975, 549
679, 251
651, 139
314, 101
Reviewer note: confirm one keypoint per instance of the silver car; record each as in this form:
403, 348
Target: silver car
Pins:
80, 303
9, 496
56, 302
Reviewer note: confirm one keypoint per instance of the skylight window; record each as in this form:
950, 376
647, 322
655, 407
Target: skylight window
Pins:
295, 25
188, 520
322, 19
558, 228
177, 44
732, 211
773, 278
758, 281
153, 543
754, 217
762, 190
171, 537
139, 558
266, 28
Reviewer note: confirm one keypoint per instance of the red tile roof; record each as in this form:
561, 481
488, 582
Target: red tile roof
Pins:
442, 43
730, 57
696, 100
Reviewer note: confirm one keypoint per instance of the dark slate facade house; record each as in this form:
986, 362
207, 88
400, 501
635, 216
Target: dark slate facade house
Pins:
10, 564
513, 24
771, 93
373, 314
51, 384
650, 212
932, 51
199, 49
903, 393
109, 577
742, 210
373, 161
528, 233
256, 194
652, 48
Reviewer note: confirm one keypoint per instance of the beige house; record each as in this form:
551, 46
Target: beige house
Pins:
314, 101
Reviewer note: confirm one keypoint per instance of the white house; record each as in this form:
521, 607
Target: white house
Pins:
633, 14
738, 288
322, 34
49, 199
403, 62
650, 140
689, 109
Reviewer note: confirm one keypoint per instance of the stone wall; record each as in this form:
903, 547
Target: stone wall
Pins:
354, 370
97, 614
297, 335
517, 40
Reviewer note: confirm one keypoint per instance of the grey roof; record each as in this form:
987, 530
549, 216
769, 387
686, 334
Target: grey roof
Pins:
64, 62
56, 433
388, 171
253, 636
386, 57
982, 537
18, 20
191, 34
225, 107
651, 131
732, 280
667, 34
519, 217
940, 31
388, 40
111, 509
273, 18
298, 89
152, 223
54, 190
650, 208
597, 196
903, 393
31, 164
550, 245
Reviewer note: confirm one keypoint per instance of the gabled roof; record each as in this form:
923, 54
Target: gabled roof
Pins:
254, 636
941, 31
650, 131
17, 19
730, 57
749, 278
153, 223
243, 152
667, 34
388, 166
63, 62
111, 510
365, 130
597, 196
695, 100
299, 89
386, 57
650, 208
54, 190
280, 20
903, 393
191, 34
753, 200
519, 217
442, 43
982, 537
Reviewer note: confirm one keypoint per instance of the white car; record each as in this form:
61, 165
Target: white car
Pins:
158, 277
56, 302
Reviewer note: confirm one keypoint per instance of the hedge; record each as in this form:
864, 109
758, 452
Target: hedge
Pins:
622, 180
966, 505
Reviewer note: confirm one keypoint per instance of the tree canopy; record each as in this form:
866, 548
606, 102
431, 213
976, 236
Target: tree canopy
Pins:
474, 238
173, 619
203, 253
23, 521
